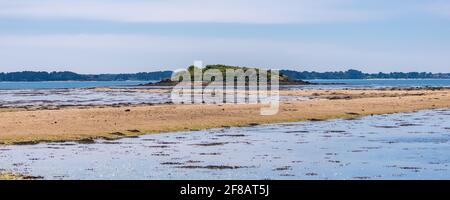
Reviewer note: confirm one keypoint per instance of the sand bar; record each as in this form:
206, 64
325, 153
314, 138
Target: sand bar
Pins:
19, 126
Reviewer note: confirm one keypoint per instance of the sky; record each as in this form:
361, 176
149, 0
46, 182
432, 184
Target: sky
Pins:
113, 36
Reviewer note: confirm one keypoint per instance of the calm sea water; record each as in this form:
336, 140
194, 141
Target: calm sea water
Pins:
399, 146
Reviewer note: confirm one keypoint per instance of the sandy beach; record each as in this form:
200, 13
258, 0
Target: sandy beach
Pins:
84, 124
16, 176
8, 176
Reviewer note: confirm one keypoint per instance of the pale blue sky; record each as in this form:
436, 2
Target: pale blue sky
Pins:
97, 36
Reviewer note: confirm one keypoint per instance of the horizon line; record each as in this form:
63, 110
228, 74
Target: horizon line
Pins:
364, 72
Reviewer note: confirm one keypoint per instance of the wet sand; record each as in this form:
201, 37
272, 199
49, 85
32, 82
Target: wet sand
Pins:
406, 146
21, 126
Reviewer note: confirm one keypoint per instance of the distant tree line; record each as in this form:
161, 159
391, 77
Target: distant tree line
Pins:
355, 74
160, 75
71, 76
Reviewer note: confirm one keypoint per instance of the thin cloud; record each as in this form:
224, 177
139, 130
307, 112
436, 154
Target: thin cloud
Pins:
132, 53
439, 8
219, 11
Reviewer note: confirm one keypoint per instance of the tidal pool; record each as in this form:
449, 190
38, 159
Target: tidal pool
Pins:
398, 146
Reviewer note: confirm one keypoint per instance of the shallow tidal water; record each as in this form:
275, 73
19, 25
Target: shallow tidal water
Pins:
76, 97
83, 97
398, 146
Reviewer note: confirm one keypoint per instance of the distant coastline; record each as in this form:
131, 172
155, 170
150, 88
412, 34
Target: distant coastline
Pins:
37, 76
33, 76
355, 74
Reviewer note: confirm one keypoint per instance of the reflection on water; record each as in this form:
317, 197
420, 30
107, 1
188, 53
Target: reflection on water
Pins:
399, 146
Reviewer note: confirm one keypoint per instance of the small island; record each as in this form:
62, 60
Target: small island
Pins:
283, 79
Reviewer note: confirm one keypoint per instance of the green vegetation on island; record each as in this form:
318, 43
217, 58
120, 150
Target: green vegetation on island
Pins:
223, 69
